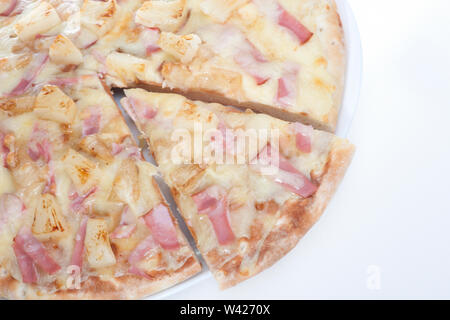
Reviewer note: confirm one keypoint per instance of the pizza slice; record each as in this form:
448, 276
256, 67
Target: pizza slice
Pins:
281, 57
248, 185
81, 216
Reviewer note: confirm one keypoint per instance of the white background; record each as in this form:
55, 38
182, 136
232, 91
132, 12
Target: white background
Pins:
392, 210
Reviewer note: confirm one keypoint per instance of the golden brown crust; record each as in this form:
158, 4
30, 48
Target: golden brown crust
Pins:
125, 287
331, 35
298, 217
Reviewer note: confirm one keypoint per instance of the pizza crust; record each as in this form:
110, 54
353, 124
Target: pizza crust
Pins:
331, 36
300, 217
125, 287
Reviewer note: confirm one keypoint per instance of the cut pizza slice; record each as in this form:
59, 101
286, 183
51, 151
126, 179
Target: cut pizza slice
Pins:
248, 185
281, 57
81, 215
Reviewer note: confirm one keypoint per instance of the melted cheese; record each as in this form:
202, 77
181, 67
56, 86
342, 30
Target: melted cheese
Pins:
247, 189
36, 20
7, 182
74, 169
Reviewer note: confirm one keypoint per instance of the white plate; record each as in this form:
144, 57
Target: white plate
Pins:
349, 104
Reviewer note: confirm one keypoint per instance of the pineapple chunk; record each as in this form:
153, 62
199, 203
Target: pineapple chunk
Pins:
98, 16
94, 146
53, 104
126, 184
221, 10
98, 249
149, 193
135, 186
38, 20
48, 220
81, 171
183, 48
151, 262
63, 51
7, 182
128, 68
167, 15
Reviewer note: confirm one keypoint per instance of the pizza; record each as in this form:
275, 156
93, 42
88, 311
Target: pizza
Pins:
281, 57
246, 204
81, 214
79, 206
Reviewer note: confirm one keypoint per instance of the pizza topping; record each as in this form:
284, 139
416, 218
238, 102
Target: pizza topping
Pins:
11, 207
151, 48
286, 174
142, 249
274, 11
39, 145
63, 51
228, 138
78, 250
163, 229
33, 71
116, 148
250, 59
98, 16
8, 7
232, 43
81, 171
150, 38
303, 135
138, 109
164, 15
26, 265
98, 249
68, 81
220, 10
212, 202
8, 150
38, 20
291, 23
85, 39
123, 231
3, 149
287, 88
54, 105
91, 124
127, 225
36, 251
78, 202
48, 220
183, 48
101, 59
129, 151
50, 184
